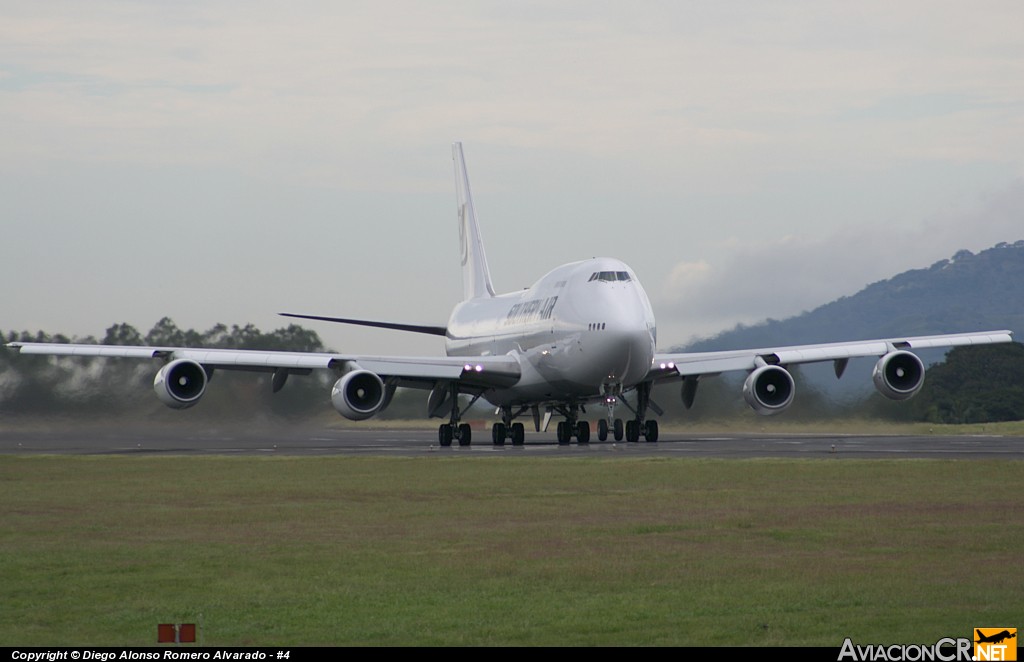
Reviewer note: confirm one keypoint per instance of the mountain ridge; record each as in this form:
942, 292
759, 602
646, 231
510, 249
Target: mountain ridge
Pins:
968, 292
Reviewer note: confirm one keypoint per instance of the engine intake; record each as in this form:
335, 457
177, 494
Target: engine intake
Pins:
898, 375
769, 389
180, 384
359, 395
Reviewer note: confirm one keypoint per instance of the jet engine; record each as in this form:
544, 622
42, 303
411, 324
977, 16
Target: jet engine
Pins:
769, 389
898, 375
359, 394
180, 384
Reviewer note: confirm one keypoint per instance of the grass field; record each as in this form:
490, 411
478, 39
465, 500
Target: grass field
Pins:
507, 551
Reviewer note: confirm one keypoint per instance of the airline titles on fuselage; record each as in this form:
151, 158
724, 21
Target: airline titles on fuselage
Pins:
531, 311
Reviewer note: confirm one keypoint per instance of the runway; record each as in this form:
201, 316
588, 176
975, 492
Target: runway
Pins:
260, 440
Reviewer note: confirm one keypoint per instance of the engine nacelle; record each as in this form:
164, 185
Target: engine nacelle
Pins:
769, 389
180, 384
898, 375
359, 395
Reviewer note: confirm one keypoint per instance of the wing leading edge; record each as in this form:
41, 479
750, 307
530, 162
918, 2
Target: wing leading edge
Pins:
692, 364
478, 373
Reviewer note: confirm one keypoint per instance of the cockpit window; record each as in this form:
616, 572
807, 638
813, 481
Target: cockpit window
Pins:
609, 276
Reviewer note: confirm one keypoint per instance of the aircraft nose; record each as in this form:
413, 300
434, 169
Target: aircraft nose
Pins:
623, 355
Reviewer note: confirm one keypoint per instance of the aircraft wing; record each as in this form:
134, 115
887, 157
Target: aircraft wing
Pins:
692, 364
476, 373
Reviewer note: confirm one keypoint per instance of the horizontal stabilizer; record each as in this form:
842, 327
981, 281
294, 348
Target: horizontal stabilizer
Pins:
415, 328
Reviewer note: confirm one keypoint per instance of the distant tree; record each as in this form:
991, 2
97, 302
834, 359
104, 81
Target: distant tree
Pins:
216, 336
123, 334
294, 338
165, 333
976, 384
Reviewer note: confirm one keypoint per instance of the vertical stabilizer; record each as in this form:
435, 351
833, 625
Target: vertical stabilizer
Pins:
476, 276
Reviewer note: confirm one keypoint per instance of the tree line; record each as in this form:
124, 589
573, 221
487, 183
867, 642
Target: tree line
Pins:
82, 386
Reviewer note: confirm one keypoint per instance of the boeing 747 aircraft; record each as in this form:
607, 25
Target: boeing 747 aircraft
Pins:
584, 334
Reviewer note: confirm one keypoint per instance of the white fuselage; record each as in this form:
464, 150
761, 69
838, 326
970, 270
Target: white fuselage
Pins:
584, 330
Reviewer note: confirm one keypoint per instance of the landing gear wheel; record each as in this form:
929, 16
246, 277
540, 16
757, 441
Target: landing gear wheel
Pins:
617, 429
651, 431
465, 435
444, 435
563, 433
632, 431
518, 434
583, 432
602, 430
498, 434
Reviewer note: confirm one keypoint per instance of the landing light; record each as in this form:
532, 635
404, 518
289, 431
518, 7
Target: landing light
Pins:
479, 368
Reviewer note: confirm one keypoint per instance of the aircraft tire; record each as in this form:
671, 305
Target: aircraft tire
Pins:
465, 435
651, 431
444, 435
518, 434
498, 434
632, 431
617, 429
583, 432
602, 430
562, 432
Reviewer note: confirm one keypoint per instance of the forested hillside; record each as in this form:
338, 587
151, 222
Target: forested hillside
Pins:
967, 292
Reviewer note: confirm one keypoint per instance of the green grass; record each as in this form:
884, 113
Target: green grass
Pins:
506, 551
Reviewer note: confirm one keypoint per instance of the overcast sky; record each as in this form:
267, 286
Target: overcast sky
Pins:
222, 161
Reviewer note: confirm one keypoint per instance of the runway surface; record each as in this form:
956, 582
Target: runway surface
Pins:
259, 440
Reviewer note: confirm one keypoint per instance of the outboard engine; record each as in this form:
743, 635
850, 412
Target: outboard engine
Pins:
898, 375
769, 389
180, 384
358, 395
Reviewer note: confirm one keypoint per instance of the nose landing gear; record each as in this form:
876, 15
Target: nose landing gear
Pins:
614, 428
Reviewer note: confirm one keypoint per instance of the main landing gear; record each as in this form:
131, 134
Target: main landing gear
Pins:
631, 430
507, 429
571, 426
453, 430
447, 432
